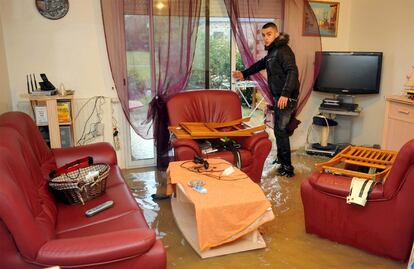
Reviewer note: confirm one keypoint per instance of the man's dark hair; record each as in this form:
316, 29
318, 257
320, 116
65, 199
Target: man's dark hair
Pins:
270, 25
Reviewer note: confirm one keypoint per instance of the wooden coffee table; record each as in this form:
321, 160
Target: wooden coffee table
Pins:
226, 218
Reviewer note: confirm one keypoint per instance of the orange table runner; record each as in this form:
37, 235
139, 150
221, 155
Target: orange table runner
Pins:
232, 203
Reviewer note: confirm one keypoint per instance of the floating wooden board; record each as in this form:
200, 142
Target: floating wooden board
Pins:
373, 159
203, 130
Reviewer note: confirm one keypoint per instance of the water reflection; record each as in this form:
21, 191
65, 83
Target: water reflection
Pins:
288, 245
142, 185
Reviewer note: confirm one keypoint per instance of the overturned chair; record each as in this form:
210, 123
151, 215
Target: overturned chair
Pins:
217, 106
384, 226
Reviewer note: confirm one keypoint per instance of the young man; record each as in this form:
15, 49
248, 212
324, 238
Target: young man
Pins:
282, 76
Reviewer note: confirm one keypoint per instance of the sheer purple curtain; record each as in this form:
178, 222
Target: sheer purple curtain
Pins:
170, 41
288, 15
244, 17
175, 34
118, 30
113, 21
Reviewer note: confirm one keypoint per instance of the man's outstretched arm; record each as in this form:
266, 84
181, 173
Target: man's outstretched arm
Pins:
256, 67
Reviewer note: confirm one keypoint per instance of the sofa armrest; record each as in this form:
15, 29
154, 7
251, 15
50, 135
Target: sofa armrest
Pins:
249, 142
101, 152
102, 248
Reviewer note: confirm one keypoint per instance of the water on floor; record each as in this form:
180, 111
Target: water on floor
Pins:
288, 246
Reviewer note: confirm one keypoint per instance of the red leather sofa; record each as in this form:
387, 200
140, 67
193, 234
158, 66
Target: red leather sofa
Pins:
36, 231
384, 226
216, 106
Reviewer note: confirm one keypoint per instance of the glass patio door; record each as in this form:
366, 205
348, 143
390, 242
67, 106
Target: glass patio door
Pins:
141, 151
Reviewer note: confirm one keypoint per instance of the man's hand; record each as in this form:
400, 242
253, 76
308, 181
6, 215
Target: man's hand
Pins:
282, 103
237, 75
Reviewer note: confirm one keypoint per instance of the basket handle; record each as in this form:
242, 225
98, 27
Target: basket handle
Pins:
72, 166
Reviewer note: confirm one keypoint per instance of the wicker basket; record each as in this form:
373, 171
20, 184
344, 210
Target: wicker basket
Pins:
75, 187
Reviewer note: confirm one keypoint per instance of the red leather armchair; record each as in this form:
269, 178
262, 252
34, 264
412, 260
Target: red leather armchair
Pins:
385, 226
216, 106
36, 231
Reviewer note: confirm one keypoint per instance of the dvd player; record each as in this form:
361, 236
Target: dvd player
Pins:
340, 106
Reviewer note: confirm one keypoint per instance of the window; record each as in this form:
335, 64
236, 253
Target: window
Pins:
212, 62
215, 57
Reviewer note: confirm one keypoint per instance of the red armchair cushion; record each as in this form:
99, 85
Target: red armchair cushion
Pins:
95, 249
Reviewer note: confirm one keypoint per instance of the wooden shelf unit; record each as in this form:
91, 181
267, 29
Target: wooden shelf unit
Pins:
54, 126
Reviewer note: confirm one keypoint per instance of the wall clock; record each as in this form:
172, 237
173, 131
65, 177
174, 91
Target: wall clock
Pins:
52, 9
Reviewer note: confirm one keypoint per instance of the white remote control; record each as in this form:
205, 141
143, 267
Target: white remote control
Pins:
98, 208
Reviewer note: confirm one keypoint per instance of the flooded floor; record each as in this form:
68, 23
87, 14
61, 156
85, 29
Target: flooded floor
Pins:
288, 246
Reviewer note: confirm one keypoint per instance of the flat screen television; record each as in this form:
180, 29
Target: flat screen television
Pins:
348, 72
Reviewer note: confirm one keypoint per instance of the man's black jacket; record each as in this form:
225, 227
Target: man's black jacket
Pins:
280, 64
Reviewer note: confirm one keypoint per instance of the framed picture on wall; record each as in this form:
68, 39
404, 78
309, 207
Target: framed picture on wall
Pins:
326, 14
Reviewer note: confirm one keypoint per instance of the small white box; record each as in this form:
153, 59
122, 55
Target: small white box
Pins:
41, 115
228, 171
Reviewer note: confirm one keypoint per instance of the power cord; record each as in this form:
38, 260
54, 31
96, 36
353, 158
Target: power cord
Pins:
211, 171
95, 127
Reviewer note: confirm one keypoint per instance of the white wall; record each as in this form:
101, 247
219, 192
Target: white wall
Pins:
341, 41
5, 99
379, 25
70, 50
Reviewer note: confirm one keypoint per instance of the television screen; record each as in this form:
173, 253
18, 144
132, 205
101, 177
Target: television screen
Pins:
348, 72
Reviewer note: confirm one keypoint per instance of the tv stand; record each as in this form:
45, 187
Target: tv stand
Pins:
343, 115
339, 103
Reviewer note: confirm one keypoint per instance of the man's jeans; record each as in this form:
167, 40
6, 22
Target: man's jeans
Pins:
282, 118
